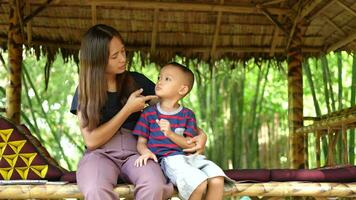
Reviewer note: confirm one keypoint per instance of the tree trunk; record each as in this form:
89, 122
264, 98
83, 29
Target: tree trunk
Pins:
252, 134
312, 88
340, 145
352, 101
339, 69
324, 64
244, 136
257, 122
323, 139
309, 76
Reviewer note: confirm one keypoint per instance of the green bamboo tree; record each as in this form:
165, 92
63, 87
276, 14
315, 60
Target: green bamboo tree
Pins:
352, 103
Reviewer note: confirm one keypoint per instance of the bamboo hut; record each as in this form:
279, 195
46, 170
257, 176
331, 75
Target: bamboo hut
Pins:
205, 29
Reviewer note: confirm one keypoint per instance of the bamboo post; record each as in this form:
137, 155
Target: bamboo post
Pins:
317, 142
295, 98
306, 151
330, 157
344, 143
14, 45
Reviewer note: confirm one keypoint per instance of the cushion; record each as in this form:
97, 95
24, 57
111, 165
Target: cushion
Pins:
341, 174
23, 157
249, 175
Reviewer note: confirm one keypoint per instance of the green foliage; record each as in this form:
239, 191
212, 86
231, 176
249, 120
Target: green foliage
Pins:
242, 106
46, 112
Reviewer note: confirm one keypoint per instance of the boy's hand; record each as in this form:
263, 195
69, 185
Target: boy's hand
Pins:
142, 160
165, 126
199, 141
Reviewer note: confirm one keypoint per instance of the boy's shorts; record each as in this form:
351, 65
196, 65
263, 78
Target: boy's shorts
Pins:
188, 172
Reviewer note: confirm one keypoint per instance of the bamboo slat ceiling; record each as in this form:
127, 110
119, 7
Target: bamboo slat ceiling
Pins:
238, 29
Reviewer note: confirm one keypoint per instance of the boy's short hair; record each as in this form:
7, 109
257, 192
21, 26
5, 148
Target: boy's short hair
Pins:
186, 71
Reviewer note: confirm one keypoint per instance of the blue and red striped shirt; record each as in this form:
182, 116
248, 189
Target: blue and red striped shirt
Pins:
182, 122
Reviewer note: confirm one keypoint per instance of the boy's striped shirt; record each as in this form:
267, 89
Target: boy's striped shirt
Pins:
182, 122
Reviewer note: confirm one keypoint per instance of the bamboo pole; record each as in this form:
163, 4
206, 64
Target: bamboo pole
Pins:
216, 33
14, 45
154, 31
295, 99
29, 24
275, 39
317, 141
268, 189
352, 102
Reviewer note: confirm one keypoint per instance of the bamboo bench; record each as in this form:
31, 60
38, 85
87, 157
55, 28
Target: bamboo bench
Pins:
268, 190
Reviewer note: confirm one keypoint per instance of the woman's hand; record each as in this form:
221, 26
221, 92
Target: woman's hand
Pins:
137, 102
142, 160
199, 141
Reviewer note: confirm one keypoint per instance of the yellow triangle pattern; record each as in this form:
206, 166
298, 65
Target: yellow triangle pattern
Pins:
2, 148
28, 158
6, 133
40, 170
23, 171
11, 159
6, 173
17, 145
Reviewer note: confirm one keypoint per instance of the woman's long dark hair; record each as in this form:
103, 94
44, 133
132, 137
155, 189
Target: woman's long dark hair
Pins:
94, 58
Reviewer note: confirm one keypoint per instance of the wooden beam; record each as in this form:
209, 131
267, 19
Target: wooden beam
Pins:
296, 20
334, 25
37, 11
234, 49
154, 31
346, 7
272, 19
342, 42
208, 7
309, 8
216, 33
29, 24
275, 38
93, 14
313, 15
342, 27
168, 33
19, 16
272, 2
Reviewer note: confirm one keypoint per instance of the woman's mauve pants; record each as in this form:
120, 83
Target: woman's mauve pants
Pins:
99, 169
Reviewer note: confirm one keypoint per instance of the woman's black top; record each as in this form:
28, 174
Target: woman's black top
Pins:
113, 105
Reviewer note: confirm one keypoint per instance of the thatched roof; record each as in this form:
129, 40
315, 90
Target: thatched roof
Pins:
237, 29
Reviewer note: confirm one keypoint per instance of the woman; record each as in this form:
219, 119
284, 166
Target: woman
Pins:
108, 102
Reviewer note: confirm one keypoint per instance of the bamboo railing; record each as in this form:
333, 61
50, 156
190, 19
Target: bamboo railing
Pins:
269, 189
331, 125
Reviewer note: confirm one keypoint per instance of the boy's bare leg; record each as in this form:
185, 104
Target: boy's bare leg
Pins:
199, 191
215, 189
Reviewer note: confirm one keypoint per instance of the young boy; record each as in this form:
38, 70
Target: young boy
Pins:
163, 131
